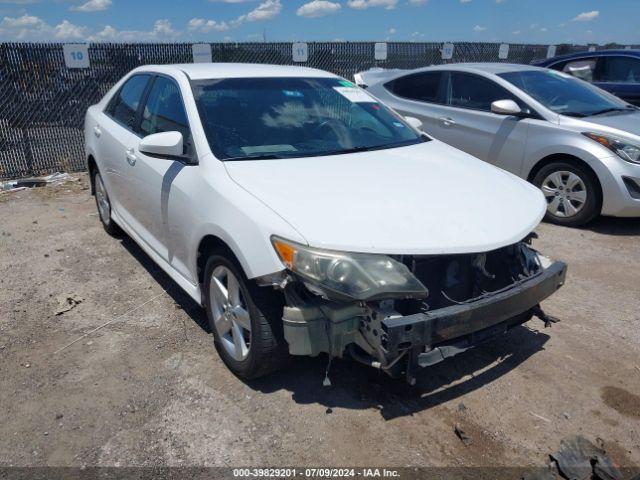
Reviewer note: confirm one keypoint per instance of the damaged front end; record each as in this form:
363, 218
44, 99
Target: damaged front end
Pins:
401, 313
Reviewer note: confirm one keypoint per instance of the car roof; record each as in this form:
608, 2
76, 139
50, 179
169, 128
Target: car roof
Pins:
203, 71
493, 68
585, 53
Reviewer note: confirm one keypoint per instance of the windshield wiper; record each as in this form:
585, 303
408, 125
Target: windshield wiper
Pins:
573, 114
612, 109
266, 156
349, 150
372, 147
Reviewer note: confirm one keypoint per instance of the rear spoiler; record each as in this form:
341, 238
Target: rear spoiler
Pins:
375, 75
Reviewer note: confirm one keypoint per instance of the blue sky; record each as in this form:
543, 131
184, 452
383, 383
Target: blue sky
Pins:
512, 21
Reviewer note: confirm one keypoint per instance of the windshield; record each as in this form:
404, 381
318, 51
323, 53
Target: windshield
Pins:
564, 94
249, 118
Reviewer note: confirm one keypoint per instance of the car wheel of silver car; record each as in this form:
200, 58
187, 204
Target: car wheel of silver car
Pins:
104, 205
571, 192
246, 320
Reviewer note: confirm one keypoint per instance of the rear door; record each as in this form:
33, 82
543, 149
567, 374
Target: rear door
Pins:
418, 95
116, 132
620, 75
467, 123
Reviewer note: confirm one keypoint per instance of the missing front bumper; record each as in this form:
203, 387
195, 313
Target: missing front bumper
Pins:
424, 339
455, 322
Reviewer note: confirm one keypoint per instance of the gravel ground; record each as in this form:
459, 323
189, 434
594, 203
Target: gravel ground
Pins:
149, 388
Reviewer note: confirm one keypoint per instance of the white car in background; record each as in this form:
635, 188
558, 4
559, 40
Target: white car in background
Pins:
578, 143
307, 217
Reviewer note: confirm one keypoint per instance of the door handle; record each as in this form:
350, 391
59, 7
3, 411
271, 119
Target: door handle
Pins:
96, 131
447, 121
131, 157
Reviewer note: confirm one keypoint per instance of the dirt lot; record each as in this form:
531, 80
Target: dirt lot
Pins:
149, 389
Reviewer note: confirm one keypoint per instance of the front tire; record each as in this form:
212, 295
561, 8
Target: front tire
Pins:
103, 203
572, 193
246, 320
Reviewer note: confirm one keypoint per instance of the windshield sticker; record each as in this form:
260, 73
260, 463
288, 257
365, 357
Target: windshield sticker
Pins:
398, 124
293, 93
355, 94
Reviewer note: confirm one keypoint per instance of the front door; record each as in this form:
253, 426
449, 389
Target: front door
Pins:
620, 75
155, 179
467, 123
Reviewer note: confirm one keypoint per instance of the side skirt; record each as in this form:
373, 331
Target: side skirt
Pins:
192, 290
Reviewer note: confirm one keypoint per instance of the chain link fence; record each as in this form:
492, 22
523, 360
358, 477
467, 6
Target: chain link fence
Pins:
42, 102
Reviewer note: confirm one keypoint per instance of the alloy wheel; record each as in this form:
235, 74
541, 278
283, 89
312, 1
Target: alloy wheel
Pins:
230, 313
565, 192
104, 207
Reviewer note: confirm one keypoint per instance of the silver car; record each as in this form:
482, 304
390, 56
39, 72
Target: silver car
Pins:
578, 143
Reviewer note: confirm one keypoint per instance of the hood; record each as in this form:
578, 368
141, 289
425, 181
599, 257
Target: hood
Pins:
627, 122
423, 199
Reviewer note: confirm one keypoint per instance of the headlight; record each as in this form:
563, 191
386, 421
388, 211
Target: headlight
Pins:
624, 149
357, 276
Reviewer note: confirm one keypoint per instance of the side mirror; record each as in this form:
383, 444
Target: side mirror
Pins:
414, 122
165, 145
506, 107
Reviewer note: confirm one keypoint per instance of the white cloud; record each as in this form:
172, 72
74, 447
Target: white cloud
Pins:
586, 16
417, 3
32, 28
543, 29
108, 33
417, 34
267, 10
318, 8
231, 1
516, 32
391, 31
364, 4
479, 28
465, 1
68, 31
205, 26
92, 6
25, 21
162, 31
163, 28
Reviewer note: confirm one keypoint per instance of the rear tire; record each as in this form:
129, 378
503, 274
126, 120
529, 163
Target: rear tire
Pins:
246, 320
572, 193
103, 203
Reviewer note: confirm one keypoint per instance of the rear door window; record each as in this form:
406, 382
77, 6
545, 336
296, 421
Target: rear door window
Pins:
620, 70
124, 105
424, 87
584, 68
466, 90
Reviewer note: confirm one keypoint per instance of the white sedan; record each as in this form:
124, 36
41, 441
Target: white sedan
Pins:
308, 218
